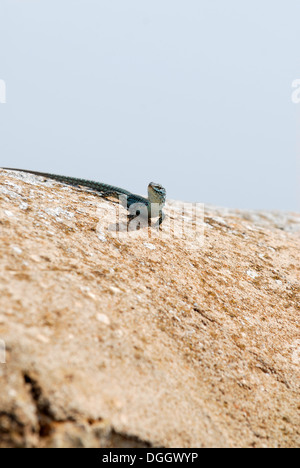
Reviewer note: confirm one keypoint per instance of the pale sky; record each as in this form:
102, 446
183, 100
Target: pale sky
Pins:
195, 95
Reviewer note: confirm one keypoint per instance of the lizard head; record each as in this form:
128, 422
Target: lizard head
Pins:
156, 193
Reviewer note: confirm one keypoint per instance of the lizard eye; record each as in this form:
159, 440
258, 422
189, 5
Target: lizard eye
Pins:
156, 186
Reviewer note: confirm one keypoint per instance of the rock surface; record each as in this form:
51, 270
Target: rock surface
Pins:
145, 338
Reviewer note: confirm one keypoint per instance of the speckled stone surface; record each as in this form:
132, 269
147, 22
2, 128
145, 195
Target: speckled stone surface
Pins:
187, 337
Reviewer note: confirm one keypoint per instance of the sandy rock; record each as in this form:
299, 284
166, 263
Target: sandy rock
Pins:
176, 338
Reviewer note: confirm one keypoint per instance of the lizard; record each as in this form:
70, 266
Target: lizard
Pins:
153, 204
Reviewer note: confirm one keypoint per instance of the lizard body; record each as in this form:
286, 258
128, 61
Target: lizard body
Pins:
154, 203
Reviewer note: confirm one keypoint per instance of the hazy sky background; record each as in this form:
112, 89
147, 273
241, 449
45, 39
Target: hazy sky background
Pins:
194, 94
